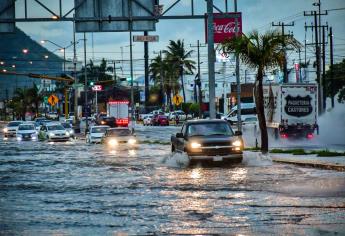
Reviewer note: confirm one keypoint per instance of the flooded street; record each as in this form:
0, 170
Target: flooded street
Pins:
78, 188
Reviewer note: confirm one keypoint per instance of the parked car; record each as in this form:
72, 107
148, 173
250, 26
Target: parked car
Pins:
208, 140
206, 115
96, 133
106, 120
26, 131
53, 132
147, 119
11, 128
160, 120
120, 137
52, 115
182, 116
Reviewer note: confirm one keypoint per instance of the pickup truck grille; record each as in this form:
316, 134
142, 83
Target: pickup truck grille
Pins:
216, 144
217, 151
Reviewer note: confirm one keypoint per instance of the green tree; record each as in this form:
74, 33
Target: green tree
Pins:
21, 102
35, 98
338, 82
260, 52
194, 109
179, 56
165, 75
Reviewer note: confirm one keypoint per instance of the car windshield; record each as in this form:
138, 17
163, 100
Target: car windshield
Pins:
13, 124
26, 127
66, 125
119, 132
205, 129
162, 117
251, 119
55, 127
99, 129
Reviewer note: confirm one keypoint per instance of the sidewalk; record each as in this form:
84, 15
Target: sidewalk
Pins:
329, 163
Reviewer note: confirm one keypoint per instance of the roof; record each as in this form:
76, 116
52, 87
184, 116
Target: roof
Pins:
203, 121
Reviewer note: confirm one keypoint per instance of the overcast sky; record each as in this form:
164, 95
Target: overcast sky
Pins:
256, 14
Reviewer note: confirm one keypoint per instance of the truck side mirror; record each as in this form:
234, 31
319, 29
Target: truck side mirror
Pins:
179, 135
238, 133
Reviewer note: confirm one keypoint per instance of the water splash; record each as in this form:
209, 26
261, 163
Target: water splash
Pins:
256, 159
178, 160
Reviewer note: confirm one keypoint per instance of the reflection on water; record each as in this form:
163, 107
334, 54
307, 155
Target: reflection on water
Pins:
88, 189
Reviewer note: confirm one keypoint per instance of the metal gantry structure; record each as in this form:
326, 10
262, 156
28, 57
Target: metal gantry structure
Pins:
57, 12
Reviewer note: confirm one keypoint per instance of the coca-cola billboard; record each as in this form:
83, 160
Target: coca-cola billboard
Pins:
224, 26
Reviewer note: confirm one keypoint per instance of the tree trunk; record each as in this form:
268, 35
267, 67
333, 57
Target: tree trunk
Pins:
259, 102
183, 92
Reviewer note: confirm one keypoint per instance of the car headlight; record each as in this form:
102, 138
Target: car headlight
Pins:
51, 134
195, 145
67, 133
112, 142
237, 143
132, 141
103, 122
5, 130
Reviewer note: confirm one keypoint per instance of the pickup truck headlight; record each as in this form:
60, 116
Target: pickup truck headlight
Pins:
132, 141
112, 142
195, 145
5, 130
237, 143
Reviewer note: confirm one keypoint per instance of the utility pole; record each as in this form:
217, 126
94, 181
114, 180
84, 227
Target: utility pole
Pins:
85, 88
210, 42
331, 66
76, 118
146, 58
323, 80
114, 70
131, 62
317, 23
283, 25
198, 80
238, 82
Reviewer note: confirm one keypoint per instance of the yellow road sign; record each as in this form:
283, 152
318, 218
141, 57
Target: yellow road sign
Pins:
177, 100
53, 100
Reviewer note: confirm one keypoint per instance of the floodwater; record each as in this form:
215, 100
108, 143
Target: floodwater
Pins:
77, 188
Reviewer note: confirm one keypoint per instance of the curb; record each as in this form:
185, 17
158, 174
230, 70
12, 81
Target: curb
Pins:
320, 165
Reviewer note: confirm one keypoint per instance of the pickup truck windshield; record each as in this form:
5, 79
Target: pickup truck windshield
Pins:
205, 129
119, 132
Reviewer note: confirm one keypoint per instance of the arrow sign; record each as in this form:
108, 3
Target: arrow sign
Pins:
53, 100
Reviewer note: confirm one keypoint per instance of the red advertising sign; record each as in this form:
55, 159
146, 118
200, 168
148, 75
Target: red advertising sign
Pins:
224, 25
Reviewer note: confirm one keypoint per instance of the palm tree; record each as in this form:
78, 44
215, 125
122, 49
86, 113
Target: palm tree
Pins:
36, 97
260, 52
165, 75
178, 56
157, 68
21, 100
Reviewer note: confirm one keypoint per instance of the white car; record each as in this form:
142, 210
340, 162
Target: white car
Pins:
96, 133
120, 138
69, 128
181, 115
11, 128
27, 131
54, 132
147, 119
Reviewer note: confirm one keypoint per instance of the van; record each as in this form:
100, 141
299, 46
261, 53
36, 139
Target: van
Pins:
247, 110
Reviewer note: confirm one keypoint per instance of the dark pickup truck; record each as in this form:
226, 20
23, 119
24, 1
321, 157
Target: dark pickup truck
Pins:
208, 140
